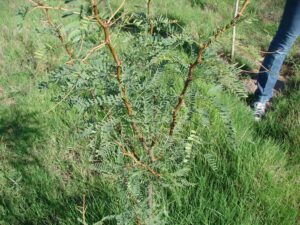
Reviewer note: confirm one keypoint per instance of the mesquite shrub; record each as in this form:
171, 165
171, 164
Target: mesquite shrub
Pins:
123, 73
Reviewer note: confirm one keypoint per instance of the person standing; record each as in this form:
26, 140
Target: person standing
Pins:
287, 34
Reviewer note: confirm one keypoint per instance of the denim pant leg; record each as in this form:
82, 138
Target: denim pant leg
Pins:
285, 37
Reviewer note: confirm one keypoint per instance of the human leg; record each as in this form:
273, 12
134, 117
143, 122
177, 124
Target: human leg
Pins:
285, 37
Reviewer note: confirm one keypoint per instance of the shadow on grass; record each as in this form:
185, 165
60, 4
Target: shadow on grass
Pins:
19, 130
20, 133
35, 194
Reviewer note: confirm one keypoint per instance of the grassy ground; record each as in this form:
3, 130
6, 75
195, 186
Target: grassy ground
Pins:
45, 175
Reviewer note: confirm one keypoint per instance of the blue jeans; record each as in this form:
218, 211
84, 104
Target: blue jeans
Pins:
285, 37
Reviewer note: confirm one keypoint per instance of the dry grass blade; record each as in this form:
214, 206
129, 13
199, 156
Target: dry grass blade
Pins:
91, 51
115, 13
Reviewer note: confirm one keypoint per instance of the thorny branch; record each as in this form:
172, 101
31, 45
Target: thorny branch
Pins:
105, 27
60, 36
136, 161
56, 29
198, 61
82, 209
38, 5
149, 14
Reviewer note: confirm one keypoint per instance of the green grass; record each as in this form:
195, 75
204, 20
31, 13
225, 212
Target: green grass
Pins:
282, 123
45, 168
